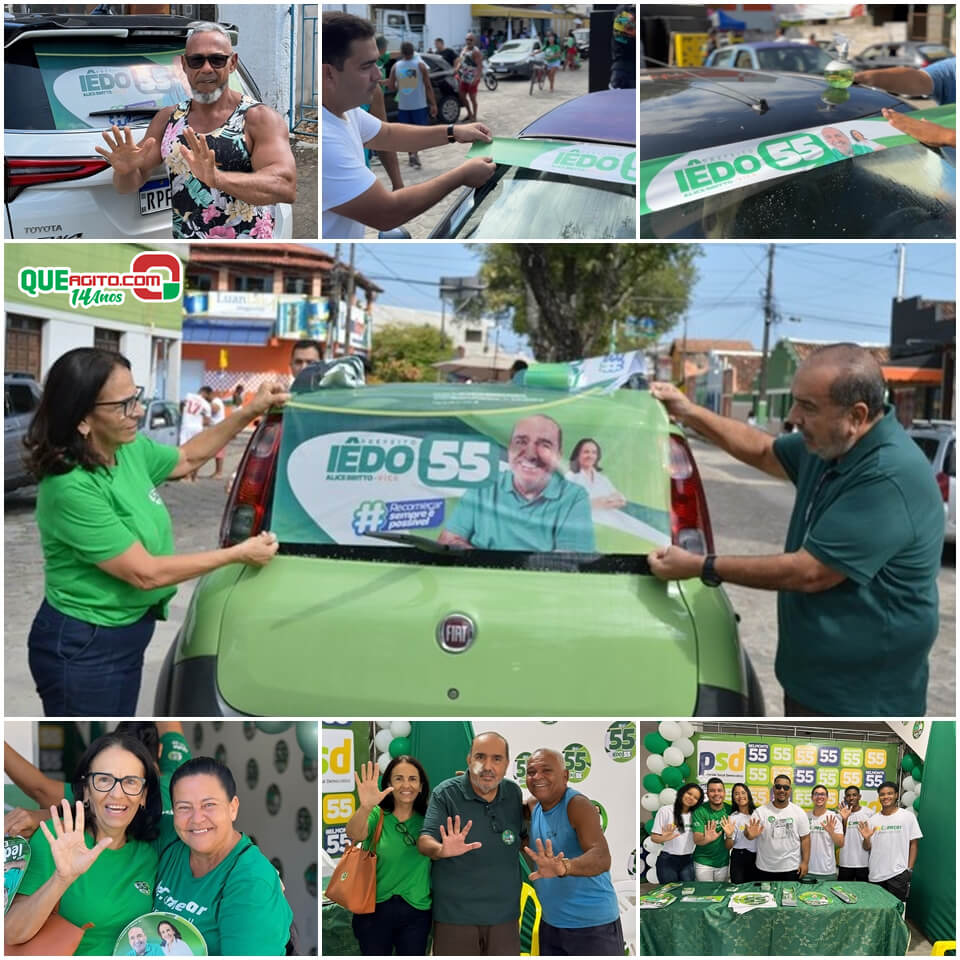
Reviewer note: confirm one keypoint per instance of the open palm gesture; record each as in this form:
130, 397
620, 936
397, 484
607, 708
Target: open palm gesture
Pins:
123, 154
866, 831
753, 829
844, 812
728, 828
71, 856
548, 865
368, 789
453, 840
199, 157
711, 831
830, 824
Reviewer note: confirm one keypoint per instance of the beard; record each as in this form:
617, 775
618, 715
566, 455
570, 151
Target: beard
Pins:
211, 97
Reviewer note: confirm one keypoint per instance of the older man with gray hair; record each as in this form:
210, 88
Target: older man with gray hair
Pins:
228, 156
858, 575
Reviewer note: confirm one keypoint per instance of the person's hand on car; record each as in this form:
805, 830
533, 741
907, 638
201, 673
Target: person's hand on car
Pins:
675, 563
471, 132
478, 171
678, 404
258, 551
927, 133
270, 394
124, 155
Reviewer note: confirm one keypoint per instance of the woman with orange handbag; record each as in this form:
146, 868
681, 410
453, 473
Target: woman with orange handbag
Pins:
402, 917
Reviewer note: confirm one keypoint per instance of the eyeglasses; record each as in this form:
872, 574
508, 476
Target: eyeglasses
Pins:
216, 60
408, 837
105, 782
129, 405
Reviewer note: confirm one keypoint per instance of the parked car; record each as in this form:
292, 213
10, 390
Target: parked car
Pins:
701, 115
788, 57
363, 586
900, 54
21, 397
582, 37
444, 84
513, 58
66, 79
938, 440
161, 421
534, 197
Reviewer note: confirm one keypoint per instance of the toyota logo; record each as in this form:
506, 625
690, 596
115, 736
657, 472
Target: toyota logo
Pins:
456, 632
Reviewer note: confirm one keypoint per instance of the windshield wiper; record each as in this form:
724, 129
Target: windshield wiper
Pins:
131, 109
421, 543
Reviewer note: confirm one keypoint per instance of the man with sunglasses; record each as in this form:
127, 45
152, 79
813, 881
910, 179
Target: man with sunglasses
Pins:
782, 832
228, 157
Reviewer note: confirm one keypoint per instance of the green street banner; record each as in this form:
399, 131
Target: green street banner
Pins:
490, 464
594, 161
756, 761
670, 181
160, 934
16, 859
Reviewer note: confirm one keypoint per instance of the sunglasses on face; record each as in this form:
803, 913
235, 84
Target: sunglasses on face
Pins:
781, 786
216, 60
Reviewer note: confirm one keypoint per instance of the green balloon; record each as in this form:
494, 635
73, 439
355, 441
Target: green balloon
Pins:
648, 826
917, 772
916, 802
272, 726
307, 738
399, 746
685, 771
673, 777
655, 743
652, 783
908, 762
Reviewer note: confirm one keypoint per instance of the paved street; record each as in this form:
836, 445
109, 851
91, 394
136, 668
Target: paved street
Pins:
305, 209
506, 111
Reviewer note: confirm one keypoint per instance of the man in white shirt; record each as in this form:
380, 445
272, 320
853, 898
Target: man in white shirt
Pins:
782, 832
853, 858
826, 835
351, 195
195, 417
891, 838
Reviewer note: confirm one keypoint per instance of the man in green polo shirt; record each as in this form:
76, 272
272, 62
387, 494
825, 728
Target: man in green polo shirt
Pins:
473, 832
531, 506
863, 549
713, 835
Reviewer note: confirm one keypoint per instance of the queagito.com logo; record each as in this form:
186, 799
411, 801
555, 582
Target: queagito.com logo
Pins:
154, 277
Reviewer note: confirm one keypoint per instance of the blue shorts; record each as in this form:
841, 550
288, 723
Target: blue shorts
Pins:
419, 117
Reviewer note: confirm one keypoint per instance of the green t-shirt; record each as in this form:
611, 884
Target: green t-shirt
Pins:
876, 516
496, 517
239, 906
88, 517
118, 888
401, 868
552, 52
713, 854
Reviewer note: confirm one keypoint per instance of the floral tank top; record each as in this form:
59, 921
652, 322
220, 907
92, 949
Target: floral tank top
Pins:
200, 211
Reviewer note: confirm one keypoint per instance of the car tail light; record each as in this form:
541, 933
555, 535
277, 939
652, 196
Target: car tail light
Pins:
22, 172
924, 62
689, 519
943, 482
247, 503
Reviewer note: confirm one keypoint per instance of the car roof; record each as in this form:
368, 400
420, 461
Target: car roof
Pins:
699, 107
69, 23
607, 116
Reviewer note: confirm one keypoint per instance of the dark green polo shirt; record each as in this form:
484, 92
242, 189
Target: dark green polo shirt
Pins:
480, 887
875, 515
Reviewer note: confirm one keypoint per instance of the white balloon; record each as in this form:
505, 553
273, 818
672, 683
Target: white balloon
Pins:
382, 740
684, 745
652, 876
917, 789
907, 798
686, 729
651, 859
656, 763
383, 724
908, 784
669, 730
383, 760
673, 756
650, 801
651, 846
400, 728
667, 796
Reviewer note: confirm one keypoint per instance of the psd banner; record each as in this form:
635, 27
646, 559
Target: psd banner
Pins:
343, 746
756, 761
601, 758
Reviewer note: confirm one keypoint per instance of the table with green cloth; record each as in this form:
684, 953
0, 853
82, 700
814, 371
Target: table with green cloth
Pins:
873, 925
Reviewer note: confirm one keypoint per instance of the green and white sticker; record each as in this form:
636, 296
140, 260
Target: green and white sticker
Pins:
16, 859
594, 161
669, 181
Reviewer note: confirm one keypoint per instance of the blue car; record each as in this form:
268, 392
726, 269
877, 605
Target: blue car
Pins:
775, 57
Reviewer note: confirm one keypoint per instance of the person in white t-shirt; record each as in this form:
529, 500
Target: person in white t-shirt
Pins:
195, 417
585, 471
853, 858
782, 832
351, 195
672, 828
743, 855
891, 838
218, 413
826, 836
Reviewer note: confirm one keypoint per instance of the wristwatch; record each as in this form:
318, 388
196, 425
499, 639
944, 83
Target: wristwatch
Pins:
709, 575
450, 137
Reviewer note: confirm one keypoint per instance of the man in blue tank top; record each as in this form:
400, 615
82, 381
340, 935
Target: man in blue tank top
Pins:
581, 916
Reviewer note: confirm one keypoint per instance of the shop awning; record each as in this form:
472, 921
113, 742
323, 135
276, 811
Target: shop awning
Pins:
227, 330
918, 376
514, 13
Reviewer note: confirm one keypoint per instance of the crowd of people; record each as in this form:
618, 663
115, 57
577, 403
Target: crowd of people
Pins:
715, 840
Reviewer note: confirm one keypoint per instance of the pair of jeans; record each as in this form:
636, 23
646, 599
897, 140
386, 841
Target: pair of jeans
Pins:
743, 866
603, 940
675, 867
84, 669
394, 924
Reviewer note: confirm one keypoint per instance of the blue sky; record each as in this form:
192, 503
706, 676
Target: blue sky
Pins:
837, 291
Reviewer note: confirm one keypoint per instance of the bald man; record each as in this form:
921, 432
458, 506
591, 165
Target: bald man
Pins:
581, 916
531, 506
857, 581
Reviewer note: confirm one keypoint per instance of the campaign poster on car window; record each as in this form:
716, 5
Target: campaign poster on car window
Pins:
16, 859
160, 934
491, 467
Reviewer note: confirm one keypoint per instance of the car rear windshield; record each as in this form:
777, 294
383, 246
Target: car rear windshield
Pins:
56, 83
934, 52
531, 204
807, 59
908, 192
929, 446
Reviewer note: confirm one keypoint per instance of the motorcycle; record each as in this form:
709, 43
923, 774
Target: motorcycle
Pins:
489, 77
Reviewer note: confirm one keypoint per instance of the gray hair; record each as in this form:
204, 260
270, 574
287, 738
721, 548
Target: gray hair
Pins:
859, 376
208, 26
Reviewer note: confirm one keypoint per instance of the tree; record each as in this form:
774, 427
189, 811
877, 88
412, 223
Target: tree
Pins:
406, 353
566, 296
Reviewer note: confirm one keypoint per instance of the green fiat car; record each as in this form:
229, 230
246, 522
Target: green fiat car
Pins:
464, 550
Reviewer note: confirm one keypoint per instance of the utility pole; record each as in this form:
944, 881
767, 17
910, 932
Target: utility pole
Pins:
768, 318
334, 320
901, 268
351, 281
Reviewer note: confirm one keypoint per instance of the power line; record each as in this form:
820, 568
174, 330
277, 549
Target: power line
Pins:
872, 263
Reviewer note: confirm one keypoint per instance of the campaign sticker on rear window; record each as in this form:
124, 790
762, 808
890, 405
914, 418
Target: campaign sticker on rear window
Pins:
669, 181
594, 161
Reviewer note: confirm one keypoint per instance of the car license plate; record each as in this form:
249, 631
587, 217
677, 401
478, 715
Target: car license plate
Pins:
154, 196
499, 69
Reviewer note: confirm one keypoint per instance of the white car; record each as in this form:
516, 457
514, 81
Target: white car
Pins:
514, 58
66, 79
938, 440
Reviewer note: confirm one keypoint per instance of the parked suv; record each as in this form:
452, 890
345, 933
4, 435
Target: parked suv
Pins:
21, 396
938, 440
368, 602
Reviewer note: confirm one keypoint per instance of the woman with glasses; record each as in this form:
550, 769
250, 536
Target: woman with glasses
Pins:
95, 863
109, 566
402, 918
212, 874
